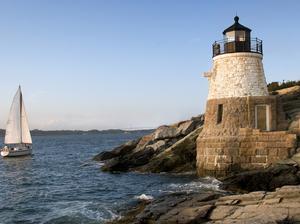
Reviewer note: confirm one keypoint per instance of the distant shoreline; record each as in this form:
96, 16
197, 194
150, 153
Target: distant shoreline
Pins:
37, 132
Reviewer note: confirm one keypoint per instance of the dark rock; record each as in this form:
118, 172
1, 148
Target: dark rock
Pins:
179, 129
114, 165
180, 157
265, 179
168, 149
178, 208
165, 132
261, 207
104, 156
119, 151
181, 208
290, 99
125, 162
158, 146
130, 216
144, 141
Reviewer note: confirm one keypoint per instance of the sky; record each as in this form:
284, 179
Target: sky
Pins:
129, 64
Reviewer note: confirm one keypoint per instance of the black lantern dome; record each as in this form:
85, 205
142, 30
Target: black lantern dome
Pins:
237, 38
236, 27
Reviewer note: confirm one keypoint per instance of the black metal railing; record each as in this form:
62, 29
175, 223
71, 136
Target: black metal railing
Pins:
226, 46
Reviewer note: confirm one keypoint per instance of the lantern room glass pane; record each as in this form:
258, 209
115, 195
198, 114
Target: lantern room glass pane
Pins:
230, 36
240, 35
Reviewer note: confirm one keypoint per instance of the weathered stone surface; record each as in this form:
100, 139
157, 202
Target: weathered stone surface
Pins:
296, 158
119, 151
229, 76
164, 132
237, 130
264, 179
168, 149
157, 145
178, 208
280, 206
127, 161
193, 214
145, 140
222, 211
187, 127
290, 100
247, 150
180, 157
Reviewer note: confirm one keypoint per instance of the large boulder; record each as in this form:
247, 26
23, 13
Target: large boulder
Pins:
260, 207
180, 129
186, 127
119, 151
180, 157
157, 146
265, 179
290, 100
181, 208
144, 141
165, 132
168, 149
280, 206
128, 161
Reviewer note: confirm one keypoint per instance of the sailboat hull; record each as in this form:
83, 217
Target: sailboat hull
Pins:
14, 152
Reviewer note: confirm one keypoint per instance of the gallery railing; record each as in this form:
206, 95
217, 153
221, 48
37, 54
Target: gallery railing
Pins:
225, 46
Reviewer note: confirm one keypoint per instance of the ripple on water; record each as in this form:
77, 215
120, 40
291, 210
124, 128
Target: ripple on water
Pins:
79, 212
54, 186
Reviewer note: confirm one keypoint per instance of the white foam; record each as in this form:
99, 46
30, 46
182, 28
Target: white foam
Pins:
207, 183
75, 208
144, 197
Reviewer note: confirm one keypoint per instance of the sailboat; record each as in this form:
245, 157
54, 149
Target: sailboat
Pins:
17, 140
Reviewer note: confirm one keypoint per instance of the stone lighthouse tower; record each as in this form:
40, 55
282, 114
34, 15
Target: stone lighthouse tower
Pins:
237, 65
241, 119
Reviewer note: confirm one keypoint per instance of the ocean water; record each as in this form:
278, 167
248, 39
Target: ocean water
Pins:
61, 184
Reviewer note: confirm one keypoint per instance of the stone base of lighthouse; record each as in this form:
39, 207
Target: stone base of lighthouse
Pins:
243, 133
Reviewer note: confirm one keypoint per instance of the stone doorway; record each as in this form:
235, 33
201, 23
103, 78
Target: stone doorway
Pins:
262, 117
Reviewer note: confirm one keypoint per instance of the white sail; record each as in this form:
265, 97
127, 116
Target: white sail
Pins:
26, 137
17, 130
13, 126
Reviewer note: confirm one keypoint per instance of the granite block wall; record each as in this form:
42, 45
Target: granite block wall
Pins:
251, 149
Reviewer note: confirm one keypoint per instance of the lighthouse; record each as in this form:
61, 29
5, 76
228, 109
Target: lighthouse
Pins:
237, 65
245, 127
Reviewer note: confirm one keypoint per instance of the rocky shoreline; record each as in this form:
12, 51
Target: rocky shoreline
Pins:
270, 195
279, 206
264, 196
170, 148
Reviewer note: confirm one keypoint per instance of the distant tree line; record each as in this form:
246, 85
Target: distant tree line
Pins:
37, 132
273, 86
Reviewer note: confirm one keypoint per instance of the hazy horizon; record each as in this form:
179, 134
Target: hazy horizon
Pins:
128, 64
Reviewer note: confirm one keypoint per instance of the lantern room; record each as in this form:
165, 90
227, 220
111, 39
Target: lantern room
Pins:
237, 38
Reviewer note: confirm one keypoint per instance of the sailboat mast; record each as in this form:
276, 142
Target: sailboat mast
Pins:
21, 114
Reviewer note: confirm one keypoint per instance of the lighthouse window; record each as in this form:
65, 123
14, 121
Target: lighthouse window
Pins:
230, 36
240, 36
220, 113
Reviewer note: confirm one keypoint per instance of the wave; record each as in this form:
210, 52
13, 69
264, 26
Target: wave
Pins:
79, 212
144, 197
201, 184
